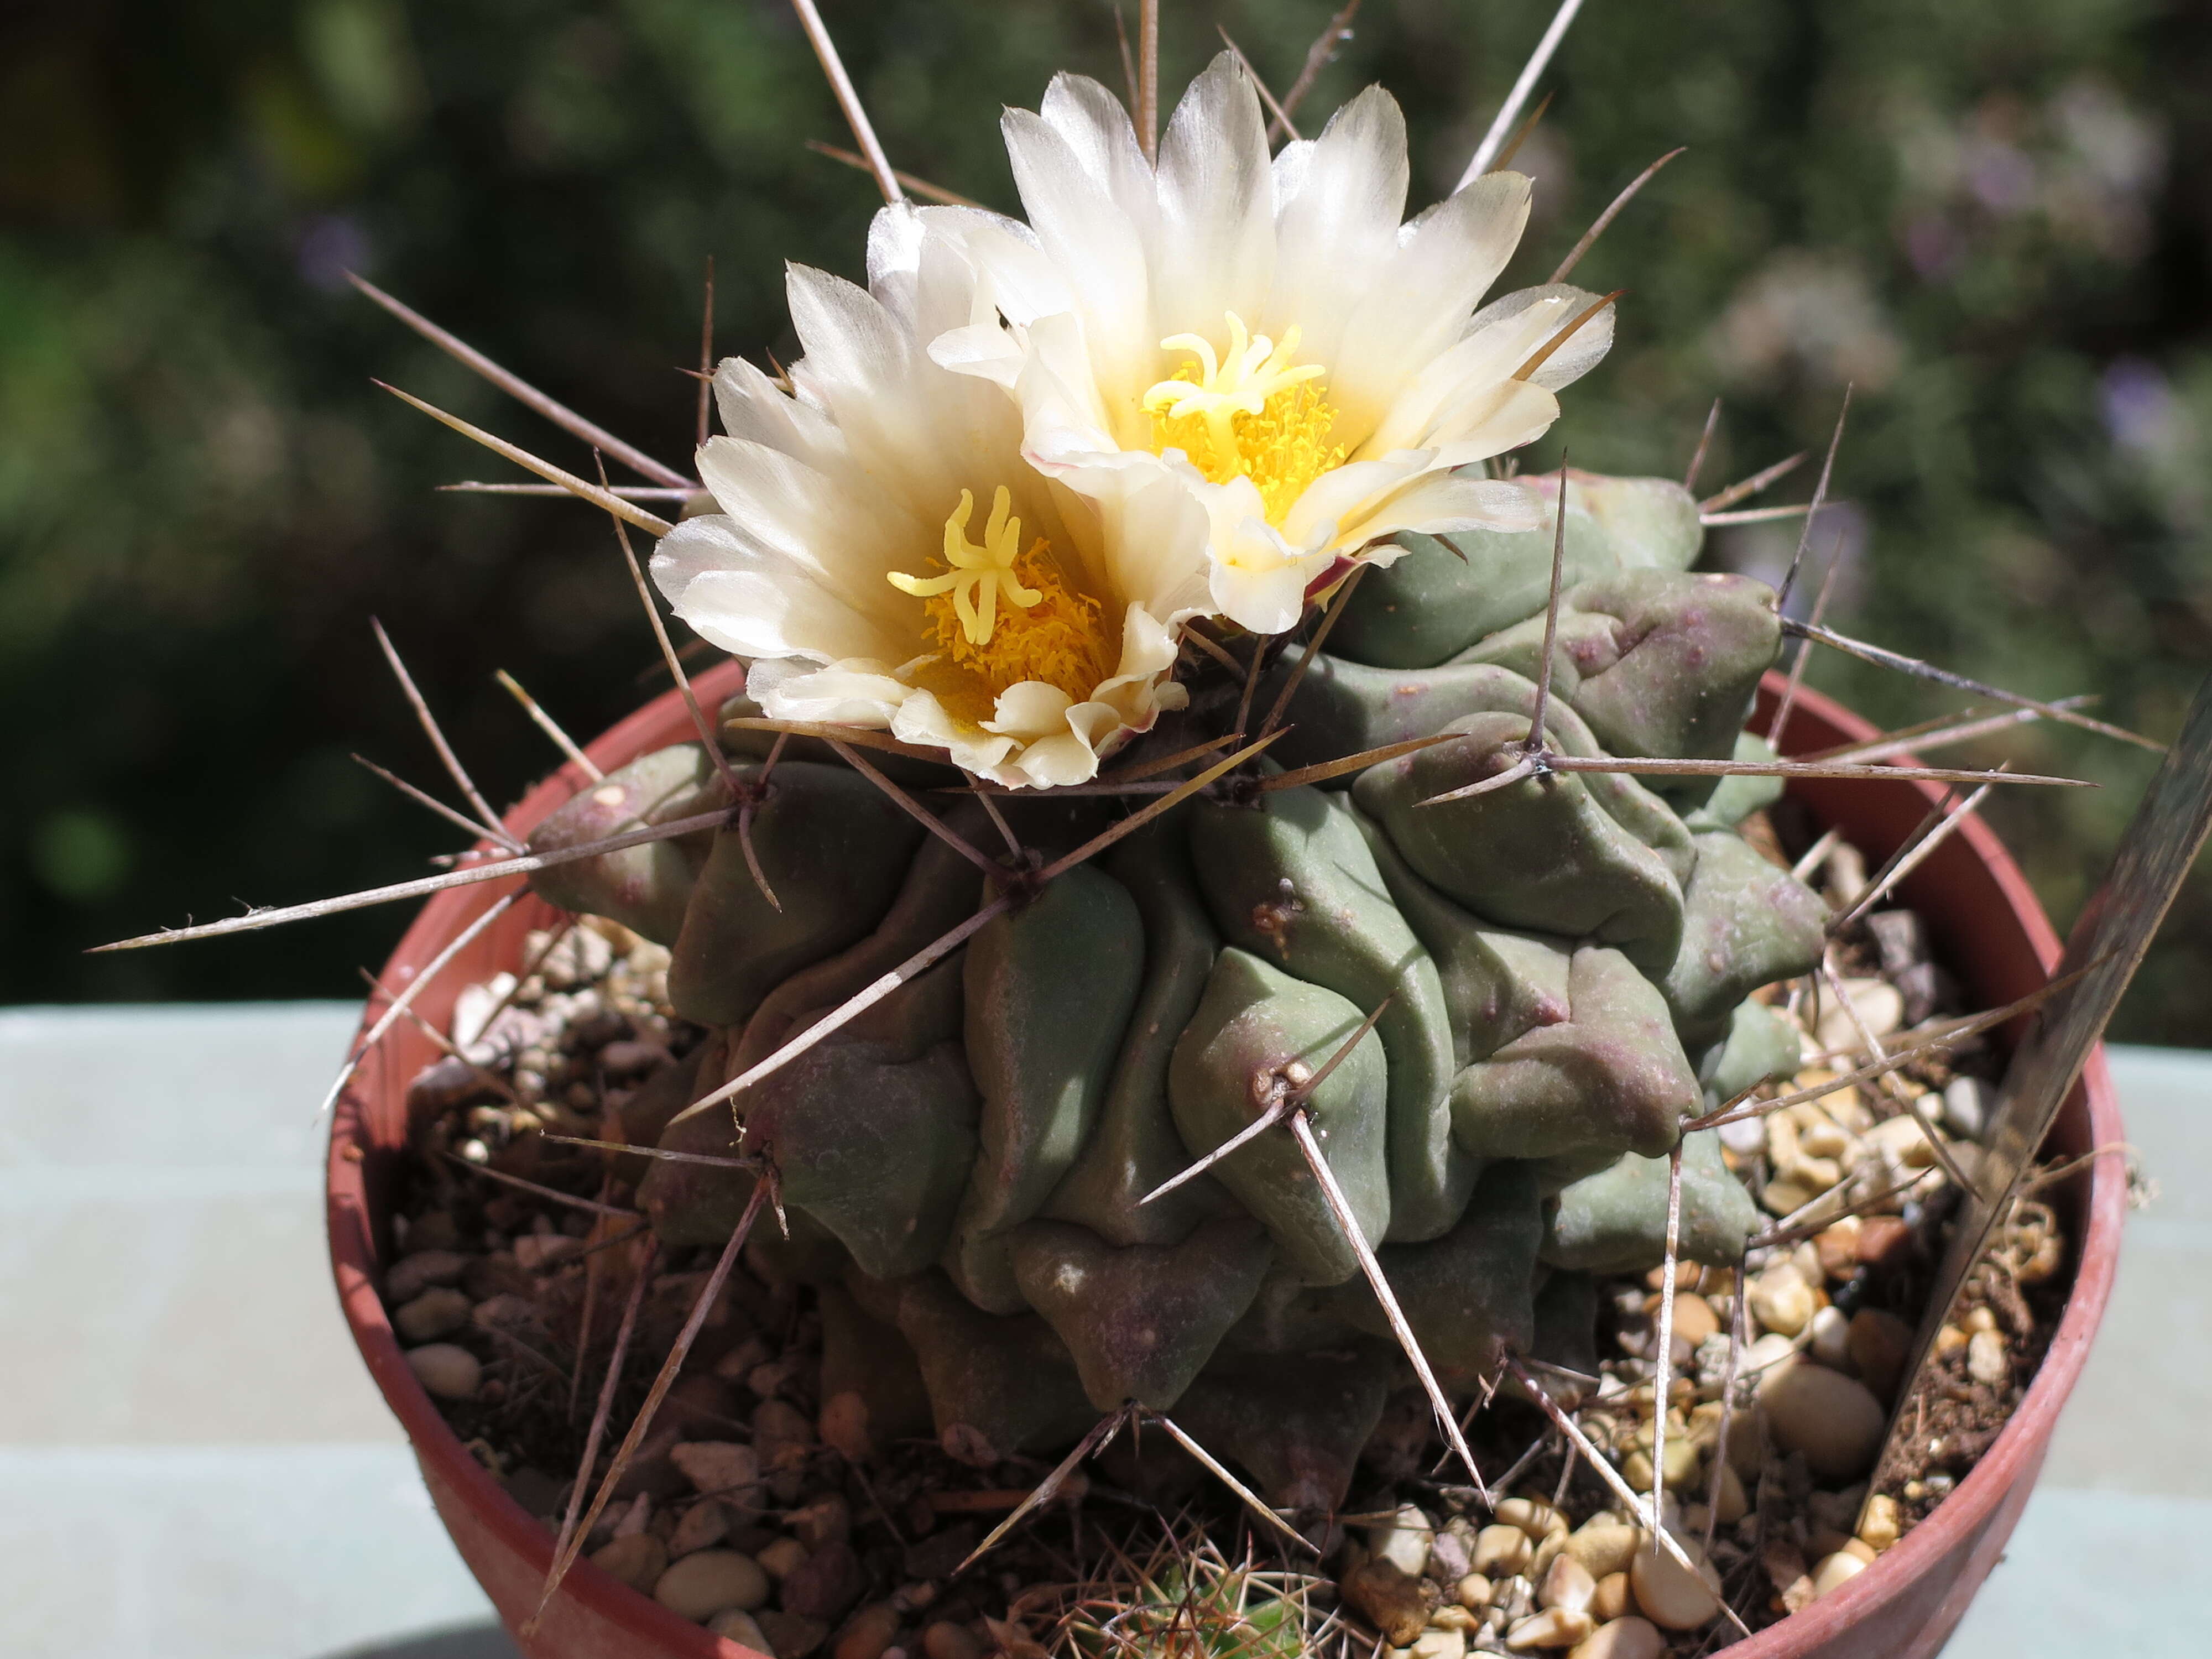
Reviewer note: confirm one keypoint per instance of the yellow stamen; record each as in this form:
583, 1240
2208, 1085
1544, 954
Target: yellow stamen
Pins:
1248, 415
978, 575
1051, 631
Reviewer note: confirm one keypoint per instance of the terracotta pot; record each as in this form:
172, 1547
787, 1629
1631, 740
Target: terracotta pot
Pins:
1972, 896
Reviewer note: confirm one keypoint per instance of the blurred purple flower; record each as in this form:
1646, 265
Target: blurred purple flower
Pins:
2138, 405
332, 244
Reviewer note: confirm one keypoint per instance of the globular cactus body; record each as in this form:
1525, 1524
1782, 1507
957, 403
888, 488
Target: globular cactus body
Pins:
1556, 972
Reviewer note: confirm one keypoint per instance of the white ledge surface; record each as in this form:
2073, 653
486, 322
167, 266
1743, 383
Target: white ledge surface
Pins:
194, 1466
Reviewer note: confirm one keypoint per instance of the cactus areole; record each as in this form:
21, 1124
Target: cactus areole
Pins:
1543, 980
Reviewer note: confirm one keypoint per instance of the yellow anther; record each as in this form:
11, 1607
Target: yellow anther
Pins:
1255, 369
978, 575
1248, 415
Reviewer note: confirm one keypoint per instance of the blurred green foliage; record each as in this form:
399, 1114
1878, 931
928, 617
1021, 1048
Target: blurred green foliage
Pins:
1992, 218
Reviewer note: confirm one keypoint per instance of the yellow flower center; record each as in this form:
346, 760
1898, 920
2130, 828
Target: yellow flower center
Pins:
1049, 630
1249, 413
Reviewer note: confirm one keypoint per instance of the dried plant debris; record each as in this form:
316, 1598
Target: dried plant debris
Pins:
790, 1493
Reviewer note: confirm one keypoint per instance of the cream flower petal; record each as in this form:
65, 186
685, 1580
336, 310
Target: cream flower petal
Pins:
755, 603
753, 407
1336, 498
1052, 762
1482, 360
1438, 503
1217, 241
859, 691
1258, 579
1580, 353
1099, 252
1419, 302
1340, 198
921, 720
1103, 140
1031, 710
881, 461
1493, 420
794, 511
1340, 373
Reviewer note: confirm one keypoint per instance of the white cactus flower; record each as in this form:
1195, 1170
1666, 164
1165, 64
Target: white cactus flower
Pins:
883, 556
1313, 371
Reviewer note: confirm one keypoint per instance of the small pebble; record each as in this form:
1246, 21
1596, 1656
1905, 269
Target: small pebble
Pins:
1885, 1240
638, 1561
507, 1312
1834, 1420
1694, 1320
1834, 1572
1986, 1358
628, 1058
1612, 1599
867, 1633
790, 1635
1669, 1596
1629, 1638
700, 1586
435, 1313
1878, 1344
1391, 1601
538, 1253
1880, 1007
1604, 1546
412, 1275
736, 1624
704, 1523
915, 1598
1533, 1516
1501, 1550
946, 1640
1745, 1136
444, 1085
1978, 1319
1733, 1506
1949, 1339
825, 1585
1452, 1616
779, 1558
717, 1466
1439, 1645
1781, 1299
1404, 1540
1878, 1522
632, 1516
825, 1522
1838, 1246
447, 1370
1554, 1627
1967, 1103
1831, 1343
781, 1435
1820, 1136
1567, 1584
1451, 1555
1901, 1141
1474, 1592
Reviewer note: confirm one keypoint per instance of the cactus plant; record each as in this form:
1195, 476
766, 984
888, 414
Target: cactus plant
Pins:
1394, 1021
1558, 973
